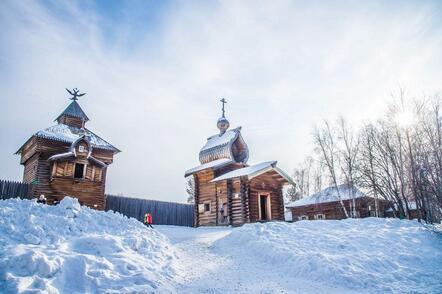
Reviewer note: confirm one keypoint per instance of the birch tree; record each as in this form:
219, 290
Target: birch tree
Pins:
325, 142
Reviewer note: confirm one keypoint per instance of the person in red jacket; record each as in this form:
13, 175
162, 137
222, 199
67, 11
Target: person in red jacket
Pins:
148, 220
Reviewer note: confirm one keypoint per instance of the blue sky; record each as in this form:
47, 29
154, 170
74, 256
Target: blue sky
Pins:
154, 72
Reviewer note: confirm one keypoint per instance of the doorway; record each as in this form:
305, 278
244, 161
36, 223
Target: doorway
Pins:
264, 207
223, 213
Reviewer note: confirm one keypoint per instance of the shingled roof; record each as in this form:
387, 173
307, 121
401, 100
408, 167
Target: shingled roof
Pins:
228, 145
69, 134
74, 110
330, 194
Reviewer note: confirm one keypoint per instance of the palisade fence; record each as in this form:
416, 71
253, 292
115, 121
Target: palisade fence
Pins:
12, 189
163, 213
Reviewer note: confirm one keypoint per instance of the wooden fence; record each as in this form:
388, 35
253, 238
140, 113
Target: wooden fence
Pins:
11, 189
163, 213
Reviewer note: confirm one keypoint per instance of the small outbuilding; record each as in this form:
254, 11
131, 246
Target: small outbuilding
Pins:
413, 211
326, 204
228, 191
68, 159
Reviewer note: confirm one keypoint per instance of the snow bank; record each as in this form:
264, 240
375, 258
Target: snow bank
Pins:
73, 249
373, 255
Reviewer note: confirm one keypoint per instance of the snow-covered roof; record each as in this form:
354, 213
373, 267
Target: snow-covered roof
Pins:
254, 171
212, 164
329, 194
411, 205
74, 110
69, 134
220, 146
220, 140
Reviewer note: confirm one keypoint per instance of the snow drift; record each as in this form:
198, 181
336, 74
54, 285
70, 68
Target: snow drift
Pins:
73, 249
373, 255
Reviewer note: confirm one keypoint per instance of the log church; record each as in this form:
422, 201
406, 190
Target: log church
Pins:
228, 191
68, 159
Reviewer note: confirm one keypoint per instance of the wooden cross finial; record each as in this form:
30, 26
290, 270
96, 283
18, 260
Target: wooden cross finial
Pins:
74, 92
223, 101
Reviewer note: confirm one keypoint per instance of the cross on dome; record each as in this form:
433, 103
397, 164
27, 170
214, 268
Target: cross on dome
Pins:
223, 124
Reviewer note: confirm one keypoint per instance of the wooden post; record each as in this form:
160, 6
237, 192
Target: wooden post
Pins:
196, 200
229, 200
244, 202
216, 203
281, 197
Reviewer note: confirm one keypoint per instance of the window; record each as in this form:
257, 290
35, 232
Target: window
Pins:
79, 171
320, 216
303, 217
81, 148
207, 207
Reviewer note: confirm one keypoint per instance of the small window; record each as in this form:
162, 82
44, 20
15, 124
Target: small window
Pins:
320, 216
79, 171
303, 217
200, 208
81, 148
207, 207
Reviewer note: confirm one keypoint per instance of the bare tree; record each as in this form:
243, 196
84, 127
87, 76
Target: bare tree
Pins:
325, 143
302, 177
291, 194
348, 154
190, 189
397, 158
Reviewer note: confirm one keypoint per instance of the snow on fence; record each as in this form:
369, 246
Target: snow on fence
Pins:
163, 213
11, 189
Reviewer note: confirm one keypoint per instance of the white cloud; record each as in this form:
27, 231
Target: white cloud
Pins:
283, 66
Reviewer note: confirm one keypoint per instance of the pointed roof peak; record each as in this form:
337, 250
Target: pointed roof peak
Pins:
74, 110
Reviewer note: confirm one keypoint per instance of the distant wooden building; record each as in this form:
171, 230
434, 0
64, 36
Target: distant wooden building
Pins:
230, 192
68, 159
413, 211
326, 205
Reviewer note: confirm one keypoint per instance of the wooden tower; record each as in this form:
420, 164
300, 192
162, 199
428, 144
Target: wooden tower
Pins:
230, 192
68, 159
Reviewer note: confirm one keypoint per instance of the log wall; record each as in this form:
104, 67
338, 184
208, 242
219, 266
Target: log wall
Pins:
270, 183
206, 194
240, 194
71, 121
334, 210
56, 179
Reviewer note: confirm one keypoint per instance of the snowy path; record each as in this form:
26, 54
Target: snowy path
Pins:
207, 271
72, 249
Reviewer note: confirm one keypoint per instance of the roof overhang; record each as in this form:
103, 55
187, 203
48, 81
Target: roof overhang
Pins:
107, 147
216, 164
251, 173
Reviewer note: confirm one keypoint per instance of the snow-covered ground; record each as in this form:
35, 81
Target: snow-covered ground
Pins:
72, 249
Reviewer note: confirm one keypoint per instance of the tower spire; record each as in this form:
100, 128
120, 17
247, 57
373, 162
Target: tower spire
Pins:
223, 101
73, 115
223, 124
